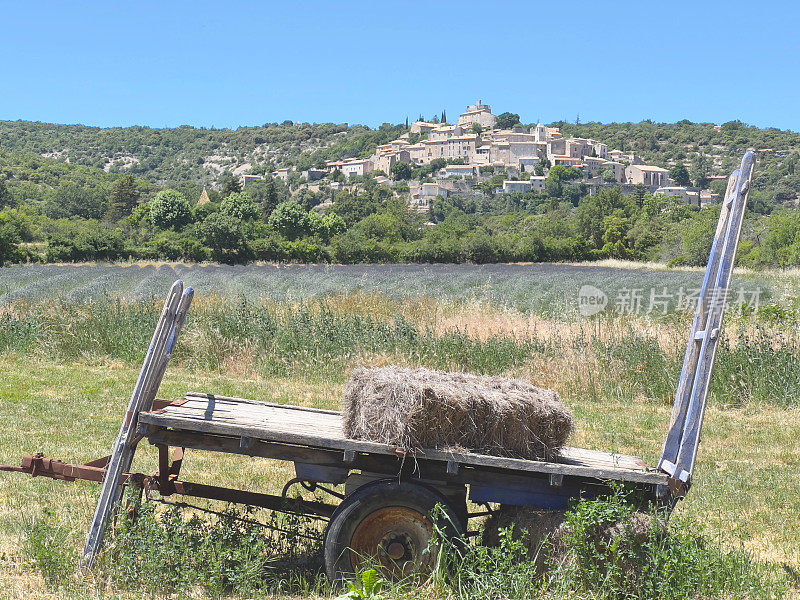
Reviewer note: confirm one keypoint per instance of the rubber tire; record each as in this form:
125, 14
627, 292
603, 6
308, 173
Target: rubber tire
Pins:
368, 499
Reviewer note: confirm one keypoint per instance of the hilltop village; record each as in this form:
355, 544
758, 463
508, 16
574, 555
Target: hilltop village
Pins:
475, 150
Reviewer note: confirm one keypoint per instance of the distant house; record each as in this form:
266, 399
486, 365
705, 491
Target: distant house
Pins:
688, 195
429, 191
534, 184
460, 171
282, 173
251, 179
648, 175
313, 174
423, 127
357, 167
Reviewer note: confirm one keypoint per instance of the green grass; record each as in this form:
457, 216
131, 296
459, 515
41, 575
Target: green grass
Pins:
68, 368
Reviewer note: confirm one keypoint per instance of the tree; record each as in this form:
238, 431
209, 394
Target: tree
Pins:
444, 116
477, 128
608, 175
239, 205
9, 244
401, 170
170, 209
223, 233
72, 200
123, 199
290, 220
507, 120
230, 184
326, 226
639, 193
680, 174
700, 171
5, 195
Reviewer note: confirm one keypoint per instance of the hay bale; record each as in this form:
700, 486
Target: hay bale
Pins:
533, 527
422, 408
549, 538
626, 537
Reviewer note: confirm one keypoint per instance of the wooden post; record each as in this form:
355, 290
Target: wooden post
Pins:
165, 336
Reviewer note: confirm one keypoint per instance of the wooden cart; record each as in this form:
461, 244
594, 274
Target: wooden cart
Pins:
389, 494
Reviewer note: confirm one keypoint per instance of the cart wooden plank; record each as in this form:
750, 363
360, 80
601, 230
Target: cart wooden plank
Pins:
240, 417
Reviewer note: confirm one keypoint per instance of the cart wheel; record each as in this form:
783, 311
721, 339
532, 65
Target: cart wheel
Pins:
386, 525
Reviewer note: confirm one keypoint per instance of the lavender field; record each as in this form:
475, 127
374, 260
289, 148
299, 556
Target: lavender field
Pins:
549, 289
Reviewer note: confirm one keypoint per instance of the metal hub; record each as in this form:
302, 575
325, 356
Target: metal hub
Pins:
394, 539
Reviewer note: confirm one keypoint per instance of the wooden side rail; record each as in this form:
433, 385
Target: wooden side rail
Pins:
683, 437
155, 363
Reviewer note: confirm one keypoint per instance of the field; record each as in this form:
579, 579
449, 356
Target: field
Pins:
71, 339
541, 288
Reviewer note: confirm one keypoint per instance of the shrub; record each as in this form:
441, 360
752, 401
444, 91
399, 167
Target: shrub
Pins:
290, 220
9, 244
170, 245
94, 242
47, 545
224, 234
239, 205
229, 553
601, 554
170, 209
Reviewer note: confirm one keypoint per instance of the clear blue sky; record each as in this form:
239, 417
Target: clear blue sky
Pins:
233, 63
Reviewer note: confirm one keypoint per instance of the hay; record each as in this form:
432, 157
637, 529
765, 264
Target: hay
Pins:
548, 538
533, 527
626, 537
422, 408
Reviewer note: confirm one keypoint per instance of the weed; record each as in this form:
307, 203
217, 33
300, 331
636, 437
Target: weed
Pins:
172, 551
48, 546
368, 587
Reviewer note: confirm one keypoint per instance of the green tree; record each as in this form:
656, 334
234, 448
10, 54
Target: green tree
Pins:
124, 197
326, 226
223, 234
608, 175
9, 244
239, 205
507, 120
170, 209
73, 200
679, 174
230, 184
700, 169
639, 193
401, 170
477, 128
290, 220
616, 230
5, 195
557, 177
698, 237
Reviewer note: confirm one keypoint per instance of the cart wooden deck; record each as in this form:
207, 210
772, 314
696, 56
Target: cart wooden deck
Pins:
313, 438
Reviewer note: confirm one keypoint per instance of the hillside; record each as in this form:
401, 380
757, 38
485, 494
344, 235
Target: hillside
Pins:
72, 193
189, 155
714, 149
198, 157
